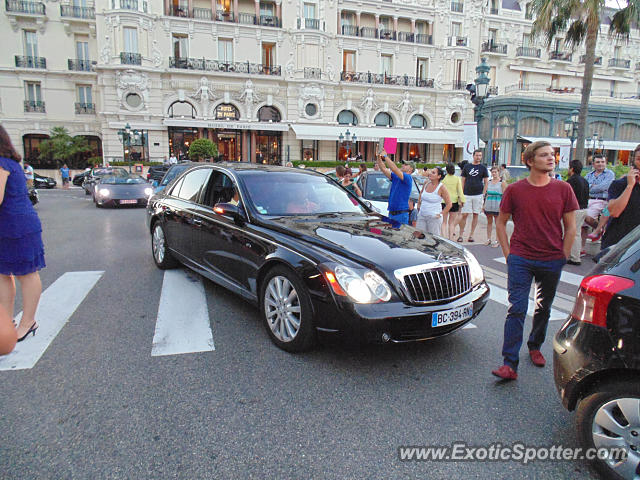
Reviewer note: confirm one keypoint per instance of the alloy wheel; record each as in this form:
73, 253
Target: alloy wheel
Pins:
158, 244
282, 308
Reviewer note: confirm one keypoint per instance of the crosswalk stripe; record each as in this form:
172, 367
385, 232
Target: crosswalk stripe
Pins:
469, 325
183, 316
57, 304
566, 277
501, 295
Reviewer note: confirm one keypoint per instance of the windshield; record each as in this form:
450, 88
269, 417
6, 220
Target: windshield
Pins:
173, 173
122, 180
378, 186
100, 172
298, 194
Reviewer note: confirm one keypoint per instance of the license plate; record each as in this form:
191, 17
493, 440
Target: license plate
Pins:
126, 202
455, 315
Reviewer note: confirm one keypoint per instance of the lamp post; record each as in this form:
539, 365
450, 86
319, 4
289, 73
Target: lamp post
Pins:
126, 137
479, 91
594, 142
347, 139
570, 125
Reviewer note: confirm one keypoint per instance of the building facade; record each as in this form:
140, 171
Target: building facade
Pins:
280, 80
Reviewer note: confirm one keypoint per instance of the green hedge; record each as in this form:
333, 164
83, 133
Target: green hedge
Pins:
126, 164
356, 164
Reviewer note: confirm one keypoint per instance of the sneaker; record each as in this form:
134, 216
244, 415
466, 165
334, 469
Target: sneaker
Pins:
495, 244
505, 372
537, 358
572, 262
594, 237
583, 253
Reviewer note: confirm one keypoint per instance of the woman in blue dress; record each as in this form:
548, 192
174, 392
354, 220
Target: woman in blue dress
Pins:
21, 248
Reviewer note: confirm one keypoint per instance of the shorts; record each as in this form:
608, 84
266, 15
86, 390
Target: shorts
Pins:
595, 207
473, 204
493, 214
65, 180
454, 207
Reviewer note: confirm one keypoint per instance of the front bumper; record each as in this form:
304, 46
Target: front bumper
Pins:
117, 202
395, 322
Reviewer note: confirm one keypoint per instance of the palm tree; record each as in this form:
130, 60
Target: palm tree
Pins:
580, 19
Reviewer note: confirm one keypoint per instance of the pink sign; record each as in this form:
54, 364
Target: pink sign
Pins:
390, 145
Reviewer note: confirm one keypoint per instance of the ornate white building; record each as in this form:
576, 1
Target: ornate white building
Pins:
280, 80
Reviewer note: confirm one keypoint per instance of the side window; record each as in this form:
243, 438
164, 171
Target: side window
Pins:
176, 188
192, 184
221, 189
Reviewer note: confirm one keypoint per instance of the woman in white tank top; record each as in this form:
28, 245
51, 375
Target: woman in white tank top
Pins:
432, 196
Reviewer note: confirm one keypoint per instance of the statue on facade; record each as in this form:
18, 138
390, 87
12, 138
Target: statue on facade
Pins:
105, 54
369, 104
249, 97
204, 94
404, 106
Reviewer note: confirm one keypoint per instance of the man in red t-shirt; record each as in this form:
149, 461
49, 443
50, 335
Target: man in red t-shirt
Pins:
541, 209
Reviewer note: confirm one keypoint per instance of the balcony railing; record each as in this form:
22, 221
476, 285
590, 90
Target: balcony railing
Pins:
74, 11
179, 11
493, 11
457, 7
312, 73
218, 66
225, 16
619, 63
351, 30
34, 106
406, 37
387, 34
269, 21
79, 65
598, 60
310, 24
493, 47
128, 58
541, 87
384, 79
30, 62
129, 5
424, 38
85, 108
560, 56
492, 90
530, 52
20, 6
247, 18
457, 41
369, 32
458, 85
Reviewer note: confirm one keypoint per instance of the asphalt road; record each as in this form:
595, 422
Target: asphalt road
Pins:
98, 405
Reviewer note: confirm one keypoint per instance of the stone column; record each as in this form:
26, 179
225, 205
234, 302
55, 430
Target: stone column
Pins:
213, 9
413, 25
257, 7
358, 20
377, 23
339, 21
395, 24
190, 12
252, 147
245, 145
234, 14
279, 12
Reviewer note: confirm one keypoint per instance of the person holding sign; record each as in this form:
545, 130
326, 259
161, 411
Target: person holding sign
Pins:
401, 182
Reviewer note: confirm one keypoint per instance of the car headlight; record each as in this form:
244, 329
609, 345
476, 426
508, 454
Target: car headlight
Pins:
475, 270
148, 191
364, 286
104, 192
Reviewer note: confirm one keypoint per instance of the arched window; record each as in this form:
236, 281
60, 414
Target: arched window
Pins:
503, 127
383, 120
418, 121
604, 129
269, 114
226, 111
534, 127
182, 110
629, 132
31, 144
347, 117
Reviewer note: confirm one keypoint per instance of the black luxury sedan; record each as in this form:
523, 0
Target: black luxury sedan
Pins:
596, 360
316, 259
121, 190
43, 182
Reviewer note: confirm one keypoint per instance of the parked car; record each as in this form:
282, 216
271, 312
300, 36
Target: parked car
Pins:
43, 182
78, 179
156, 172
95, 175
118, 190
596, 358
172, 173
375, 187
314, 258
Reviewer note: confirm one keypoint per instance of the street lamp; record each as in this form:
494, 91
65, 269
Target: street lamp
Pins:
347, 139
570, 125
594, 142
479, 91
127, 138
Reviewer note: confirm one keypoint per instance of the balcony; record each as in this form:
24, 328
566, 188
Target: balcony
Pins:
20, 6
350, 30
224, 16
181, 12
204, 64
541, 87
34, 106
424, 38
406, 37
128, 58
457, 41
619, 63
529, 52
598, 60
79, 65
387, 34
312, 73
492, 90
310, 24
384, 79
560, 56
85, 108
30, 62
72, 11
369, 32
459, 85
492, 47
457, 7
140, 6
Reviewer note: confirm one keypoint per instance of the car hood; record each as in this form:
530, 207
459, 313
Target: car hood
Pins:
370, 240
124, 188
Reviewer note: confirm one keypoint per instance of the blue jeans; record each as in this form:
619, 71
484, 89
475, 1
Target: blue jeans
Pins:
521, 272
402, 218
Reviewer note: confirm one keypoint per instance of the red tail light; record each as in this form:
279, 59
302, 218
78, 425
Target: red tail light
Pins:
594, 297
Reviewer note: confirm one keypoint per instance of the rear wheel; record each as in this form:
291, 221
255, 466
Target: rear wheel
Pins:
610, 419
286, 310
161, 254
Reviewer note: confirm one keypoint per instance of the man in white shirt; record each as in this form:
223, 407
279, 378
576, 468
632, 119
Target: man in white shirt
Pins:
172, 159
28, 174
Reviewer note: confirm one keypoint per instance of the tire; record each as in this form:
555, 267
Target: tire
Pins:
282, 292
603, 409
160, 249
86, 192
97, 204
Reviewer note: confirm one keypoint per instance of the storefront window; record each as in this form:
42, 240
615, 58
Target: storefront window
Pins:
629, 132
138, 151
268, 147
309, 150
179, 140
503, 134
32, 151
229, 145
418, 152
604, 130
534, 127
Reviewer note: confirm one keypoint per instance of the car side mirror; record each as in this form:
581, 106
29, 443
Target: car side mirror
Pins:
155, 183
230, 210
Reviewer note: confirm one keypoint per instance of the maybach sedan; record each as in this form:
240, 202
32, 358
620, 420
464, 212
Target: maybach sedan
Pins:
314, 258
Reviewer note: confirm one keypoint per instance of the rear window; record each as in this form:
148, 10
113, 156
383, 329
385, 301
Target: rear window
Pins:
625, 248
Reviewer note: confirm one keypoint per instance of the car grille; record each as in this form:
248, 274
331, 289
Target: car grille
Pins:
436, 284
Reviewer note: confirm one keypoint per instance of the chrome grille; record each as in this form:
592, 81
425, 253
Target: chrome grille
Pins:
439, 283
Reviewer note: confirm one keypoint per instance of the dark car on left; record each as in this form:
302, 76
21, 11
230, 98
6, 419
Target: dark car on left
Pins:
122, 190
40, 181
314, 258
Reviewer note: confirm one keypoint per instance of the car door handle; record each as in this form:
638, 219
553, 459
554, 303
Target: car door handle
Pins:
197, 222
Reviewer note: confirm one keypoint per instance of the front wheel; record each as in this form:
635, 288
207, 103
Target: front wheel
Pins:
286, 310
609, 421
161, 254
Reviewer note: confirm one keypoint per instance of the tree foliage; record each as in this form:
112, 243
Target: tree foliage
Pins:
202, 148
579, 21
62, 147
